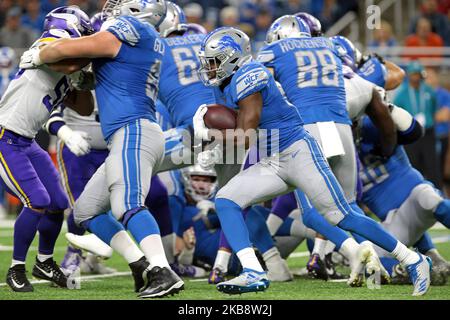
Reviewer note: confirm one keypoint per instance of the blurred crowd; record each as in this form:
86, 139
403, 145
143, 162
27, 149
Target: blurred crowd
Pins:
21, 21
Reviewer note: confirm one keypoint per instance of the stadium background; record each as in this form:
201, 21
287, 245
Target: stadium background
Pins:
409, 30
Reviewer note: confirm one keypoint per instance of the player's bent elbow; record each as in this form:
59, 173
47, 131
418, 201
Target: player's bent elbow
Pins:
395, 79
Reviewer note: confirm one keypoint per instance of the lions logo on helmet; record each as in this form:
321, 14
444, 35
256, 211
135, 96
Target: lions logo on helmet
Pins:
222, 53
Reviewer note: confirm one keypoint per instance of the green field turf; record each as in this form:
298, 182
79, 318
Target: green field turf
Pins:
121, 287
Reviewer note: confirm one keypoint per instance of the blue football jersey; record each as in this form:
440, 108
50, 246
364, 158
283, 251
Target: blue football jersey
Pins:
374, 71
162, 116
386, 185
127, 85
280, 120
310, 72
181, 89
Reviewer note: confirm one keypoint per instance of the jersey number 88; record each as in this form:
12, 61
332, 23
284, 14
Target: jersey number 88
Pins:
316, 68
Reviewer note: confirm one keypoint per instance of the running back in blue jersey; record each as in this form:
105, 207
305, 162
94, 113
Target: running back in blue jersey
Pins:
181, 89
386, 184
374, 71
127, 85
281, 119
310, 72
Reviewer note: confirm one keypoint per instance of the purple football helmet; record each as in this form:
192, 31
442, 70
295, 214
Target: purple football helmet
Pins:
69, 18
313, 23
97, 21
194, 28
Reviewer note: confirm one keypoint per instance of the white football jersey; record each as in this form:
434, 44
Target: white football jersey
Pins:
358, 93
32, 95
88, 124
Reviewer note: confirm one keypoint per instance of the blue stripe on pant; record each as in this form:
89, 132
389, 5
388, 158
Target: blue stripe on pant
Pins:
330, 180
131, 163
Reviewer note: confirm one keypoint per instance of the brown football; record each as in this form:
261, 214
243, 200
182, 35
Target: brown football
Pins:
220, 117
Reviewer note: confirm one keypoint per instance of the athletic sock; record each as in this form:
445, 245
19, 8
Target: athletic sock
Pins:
319, 247
49, 228
405, 255
274, 223
442, 213
122, 243
25, 229
104, 226
154, 251
16, 262
43, 257
145, 231
329, 248
233, 224
248, 259
222, 260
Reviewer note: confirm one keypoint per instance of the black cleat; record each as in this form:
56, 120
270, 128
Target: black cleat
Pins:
17, 279
139, 270
316, 267
331, 268
49, 270
162, 282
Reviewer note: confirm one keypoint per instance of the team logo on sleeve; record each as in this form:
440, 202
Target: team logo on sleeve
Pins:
125, 31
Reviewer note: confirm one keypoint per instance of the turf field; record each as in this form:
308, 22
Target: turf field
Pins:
120, 285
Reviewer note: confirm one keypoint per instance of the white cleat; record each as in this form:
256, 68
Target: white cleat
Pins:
357, 263
92, 265
278, 271
419, 273
90, 243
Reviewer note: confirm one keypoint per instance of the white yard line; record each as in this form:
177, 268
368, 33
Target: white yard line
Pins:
85, 278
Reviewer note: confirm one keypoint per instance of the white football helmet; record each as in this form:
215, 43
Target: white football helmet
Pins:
199, 190
175, 20
287, 26
151, 11
222, 53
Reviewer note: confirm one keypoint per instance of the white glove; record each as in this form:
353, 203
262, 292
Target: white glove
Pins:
76, 141
209, 158
82, 80
30, 59
200, 129
204, 206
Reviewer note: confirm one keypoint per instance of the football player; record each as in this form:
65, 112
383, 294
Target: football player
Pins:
127, 57
402, 199
298, 162
26, 170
